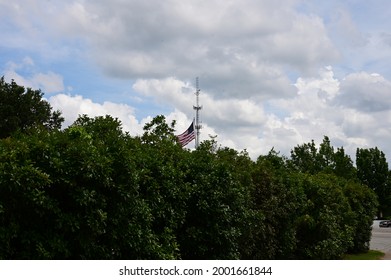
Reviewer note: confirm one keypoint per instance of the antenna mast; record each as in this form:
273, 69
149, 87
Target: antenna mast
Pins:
197, 108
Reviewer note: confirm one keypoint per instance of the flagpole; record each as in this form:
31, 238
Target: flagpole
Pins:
197, 108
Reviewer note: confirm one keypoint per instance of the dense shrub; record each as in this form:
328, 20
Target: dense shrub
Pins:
91, 191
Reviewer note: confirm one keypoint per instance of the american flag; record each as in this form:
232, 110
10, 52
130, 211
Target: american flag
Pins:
187, 136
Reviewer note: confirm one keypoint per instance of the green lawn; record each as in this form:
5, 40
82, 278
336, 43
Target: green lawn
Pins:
370, 255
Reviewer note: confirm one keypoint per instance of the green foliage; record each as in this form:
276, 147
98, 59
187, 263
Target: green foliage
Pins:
344, 165
363, 202
91, 191
23, 109
216, 208
345, 183
304, 158
324, 230
308, 158
275, 204
24, 203
90, 204
372, 170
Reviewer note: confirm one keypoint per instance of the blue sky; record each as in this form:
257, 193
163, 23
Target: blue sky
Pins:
272, 73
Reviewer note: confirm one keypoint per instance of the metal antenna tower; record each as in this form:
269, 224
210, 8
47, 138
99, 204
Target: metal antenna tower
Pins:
197, 108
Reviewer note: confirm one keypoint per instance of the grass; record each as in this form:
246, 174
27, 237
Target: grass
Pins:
370, 255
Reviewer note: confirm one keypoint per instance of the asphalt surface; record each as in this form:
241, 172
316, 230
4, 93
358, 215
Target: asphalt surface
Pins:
381, 240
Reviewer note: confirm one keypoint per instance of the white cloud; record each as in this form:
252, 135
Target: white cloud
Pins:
319, 108
248, 55
48, 82
366, 92
346, 30
73, 106
229, 117
336, 108
310, 112
322, 106
238, 48
226, 112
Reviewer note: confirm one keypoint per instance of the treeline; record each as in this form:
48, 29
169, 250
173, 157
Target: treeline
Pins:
91, 191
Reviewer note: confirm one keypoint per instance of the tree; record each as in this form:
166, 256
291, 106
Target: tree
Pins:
363, 202
275, 203
308, 159
80, 193
372, 170
324, 230
216, 208
325, 155
91, 191
304, 158
344, 165
22, 109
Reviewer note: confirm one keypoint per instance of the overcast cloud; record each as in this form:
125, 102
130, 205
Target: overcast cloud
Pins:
272, 73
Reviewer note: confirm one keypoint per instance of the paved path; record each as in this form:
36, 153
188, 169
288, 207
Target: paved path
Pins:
381, 240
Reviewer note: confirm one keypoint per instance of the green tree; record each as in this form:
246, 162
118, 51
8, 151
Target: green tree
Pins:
163, 171
91, 191
324, 229
216, 208
308, 159
343, 165
372, 170
363, 202
78, 194
22, 109
325, 156
275, 203
304, 158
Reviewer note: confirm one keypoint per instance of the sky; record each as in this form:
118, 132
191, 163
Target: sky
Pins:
272, 74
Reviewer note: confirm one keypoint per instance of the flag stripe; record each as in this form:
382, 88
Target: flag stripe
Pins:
187, 136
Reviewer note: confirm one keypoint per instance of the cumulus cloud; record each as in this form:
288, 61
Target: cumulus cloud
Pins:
318, 108
346, 30
220, 112
236, 122
257, 62
73, 106
48, 82
239, 49
365, 92
354, 112
311, 107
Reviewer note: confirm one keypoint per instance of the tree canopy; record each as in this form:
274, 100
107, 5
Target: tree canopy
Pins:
92, 191
373, 171
22, 109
